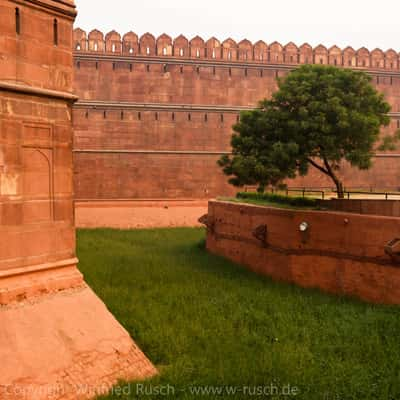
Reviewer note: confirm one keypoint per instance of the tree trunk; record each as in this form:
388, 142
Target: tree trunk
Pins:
329, 171
338, 183
339, 188
336, 180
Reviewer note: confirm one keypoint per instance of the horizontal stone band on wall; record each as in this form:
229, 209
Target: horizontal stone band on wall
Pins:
120, 105
36, 91
66, 8
37, 268
95, 104
210, 64
306, 252
172, 152
190, 152
229, 50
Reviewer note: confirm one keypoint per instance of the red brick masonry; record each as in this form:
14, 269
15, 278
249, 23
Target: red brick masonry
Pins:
340, 253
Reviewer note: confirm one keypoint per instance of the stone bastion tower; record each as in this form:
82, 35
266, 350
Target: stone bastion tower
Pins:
57, 339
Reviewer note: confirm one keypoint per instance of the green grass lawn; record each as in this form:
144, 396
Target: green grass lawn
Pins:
205, 321
275, 200
266, 203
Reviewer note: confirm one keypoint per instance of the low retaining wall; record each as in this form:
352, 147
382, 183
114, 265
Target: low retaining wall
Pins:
390, 208
341, 253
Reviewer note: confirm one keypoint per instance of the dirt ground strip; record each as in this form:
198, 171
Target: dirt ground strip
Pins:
139, 214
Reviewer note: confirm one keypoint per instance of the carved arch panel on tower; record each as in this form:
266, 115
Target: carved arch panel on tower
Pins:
37, 173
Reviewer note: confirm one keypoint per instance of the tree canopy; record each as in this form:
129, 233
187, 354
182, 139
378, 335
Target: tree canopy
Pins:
319, 117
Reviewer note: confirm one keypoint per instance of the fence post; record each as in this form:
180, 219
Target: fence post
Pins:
386, 196
323, 195
304, 192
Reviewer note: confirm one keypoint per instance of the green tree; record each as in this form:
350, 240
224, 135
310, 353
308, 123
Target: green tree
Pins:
320, 116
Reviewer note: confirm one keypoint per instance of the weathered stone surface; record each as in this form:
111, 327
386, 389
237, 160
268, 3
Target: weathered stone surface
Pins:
65, 346
55, 333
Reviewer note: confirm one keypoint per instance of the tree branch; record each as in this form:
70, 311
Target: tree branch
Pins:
329, 168
314, 164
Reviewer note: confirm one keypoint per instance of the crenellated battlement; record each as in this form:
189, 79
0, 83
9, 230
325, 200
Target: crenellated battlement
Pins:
131, 44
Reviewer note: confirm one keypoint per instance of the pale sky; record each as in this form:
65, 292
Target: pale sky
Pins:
355, 23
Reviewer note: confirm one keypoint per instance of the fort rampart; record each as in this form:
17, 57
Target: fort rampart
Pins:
155, 114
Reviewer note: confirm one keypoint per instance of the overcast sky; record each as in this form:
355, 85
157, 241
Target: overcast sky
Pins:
343, 22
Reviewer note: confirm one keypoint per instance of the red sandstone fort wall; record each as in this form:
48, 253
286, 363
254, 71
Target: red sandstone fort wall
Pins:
36, 190
155, 114
58, 340
32, 57
165, 155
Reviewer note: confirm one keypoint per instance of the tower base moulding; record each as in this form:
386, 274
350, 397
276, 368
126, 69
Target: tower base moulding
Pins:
65, 345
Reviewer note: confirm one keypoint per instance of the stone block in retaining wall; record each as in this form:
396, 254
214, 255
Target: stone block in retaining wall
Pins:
390, 208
